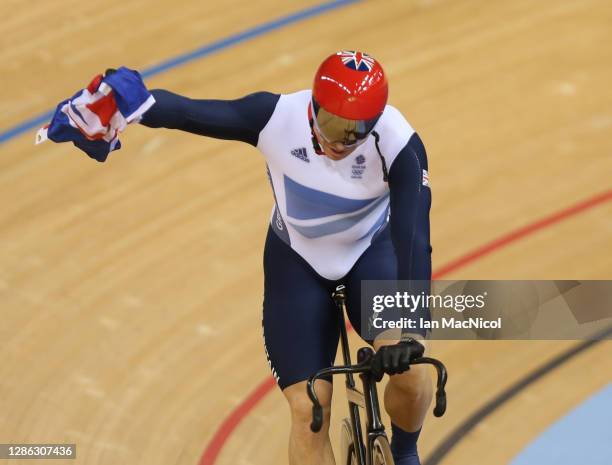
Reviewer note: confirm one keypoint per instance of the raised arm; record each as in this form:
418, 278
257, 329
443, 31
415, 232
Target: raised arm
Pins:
241, 119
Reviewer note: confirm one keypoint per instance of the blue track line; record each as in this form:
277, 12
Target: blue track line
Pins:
200, 52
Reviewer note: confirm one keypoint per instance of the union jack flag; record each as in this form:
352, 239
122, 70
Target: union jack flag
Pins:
93, 118
357, 60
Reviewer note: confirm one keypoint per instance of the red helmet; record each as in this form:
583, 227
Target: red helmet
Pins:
352, 89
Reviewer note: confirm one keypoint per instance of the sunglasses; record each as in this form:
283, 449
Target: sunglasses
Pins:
335, 129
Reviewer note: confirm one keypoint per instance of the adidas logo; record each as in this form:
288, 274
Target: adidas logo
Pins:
301, 154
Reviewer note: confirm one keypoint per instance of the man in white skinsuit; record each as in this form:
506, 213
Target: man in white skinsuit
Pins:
352, 199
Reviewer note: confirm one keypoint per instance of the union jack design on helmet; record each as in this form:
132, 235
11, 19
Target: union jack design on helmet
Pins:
352, 85
357, 60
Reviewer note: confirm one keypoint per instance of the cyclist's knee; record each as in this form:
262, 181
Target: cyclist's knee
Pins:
407, 397
301, 406
413, 384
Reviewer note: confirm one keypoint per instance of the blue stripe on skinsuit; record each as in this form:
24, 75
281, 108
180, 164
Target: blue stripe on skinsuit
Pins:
379, 222
305, 203
277, 222
338, 225
582, 437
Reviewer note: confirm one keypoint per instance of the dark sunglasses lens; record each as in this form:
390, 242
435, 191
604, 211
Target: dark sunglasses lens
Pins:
337, 129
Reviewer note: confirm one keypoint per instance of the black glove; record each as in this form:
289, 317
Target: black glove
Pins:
396, 358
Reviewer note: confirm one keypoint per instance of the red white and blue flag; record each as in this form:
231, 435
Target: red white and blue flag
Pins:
93, 118
357, 60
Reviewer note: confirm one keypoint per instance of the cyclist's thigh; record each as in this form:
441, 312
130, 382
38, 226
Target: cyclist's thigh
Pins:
378, 262
299, 320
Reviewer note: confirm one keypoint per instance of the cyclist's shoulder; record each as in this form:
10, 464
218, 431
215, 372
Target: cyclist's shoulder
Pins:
394, 124
394, 132
260, 102
295, 99
263, 96
289, 110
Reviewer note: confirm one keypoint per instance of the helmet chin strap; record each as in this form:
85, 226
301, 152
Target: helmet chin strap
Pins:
315, 142
382, 159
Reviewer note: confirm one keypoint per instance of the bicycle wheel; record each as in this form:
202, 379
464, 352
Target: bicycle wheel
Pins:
347, 444
381, 452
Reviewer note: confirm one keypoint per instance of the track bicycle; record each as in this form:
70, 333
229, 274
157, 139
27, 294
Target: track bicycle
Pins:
375, 449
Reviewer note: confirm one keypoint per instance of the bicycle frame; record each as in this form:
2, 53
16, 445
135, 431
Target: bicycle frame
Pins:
368, 399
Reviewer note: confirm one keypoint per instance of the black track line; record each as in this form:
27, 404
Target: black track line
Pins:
487, 409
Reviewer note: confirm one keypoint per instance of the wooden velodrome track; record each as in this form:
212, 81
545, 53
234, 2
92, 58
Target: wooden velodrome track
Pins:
130, 292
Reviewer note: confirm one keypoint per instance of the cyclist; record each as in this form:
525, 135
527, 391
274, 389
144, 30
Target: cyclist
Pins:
352, 199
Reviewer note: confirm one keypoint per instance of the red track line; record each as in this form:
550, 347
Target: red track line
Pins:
513, 236
233, 420
241, 411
